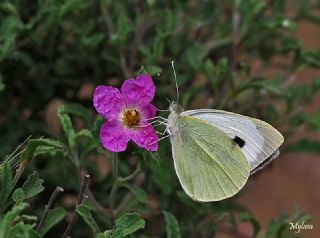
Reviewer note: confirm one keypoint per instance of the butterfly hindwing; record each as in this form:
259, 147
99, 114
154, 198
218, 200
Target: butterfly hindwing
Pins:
209, 165
258, 140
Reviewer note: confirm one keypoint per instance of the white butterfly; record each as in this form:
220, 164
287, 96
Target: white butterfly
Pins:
215, 151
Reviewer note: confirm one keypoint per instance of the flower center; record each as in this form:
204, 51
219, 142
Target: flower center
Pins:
131, 117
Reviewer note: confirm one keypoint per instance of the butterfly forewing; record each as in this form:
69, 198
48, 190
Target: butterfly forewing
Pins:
258, 140
209, 164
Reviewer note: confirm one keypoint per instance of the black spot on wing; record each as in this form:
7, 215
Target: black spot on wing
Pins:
239, 141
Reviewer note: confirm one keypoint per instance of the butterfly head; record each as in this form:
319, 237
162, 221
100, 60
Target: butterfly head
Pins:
175, 107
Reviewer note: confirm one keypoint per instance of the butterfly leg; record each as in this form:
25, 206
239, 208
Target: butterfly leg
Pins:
162, 138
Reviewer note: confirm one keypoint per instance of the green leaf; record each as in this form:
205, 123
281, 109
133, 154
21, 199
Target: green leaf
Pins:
139, 193
172, 226
311, 58
274, 86
153, 69
305, 145
33, 185
127, 224
106, 234
85, 213
94, 40
254, 222
7, 221
315, 86
312, 120
77, 110
18, 195
30, 151
196, 55
2, 85
5, 182
22, 230
55, 216
84, 133
67, 127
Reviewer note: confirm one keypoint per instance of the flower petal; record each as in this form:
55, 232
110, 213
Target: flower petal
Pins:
108, 101
148, 111
146, 137
114, 136
139, 91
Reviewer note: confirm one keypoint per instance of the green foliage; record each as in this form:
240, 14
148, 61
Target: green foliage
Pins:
280, 227
5, 182
127, 224
7, 226
139, 193
84, 212
309, 146
55, 216
172, 226
32, 186
254, 222
55, 52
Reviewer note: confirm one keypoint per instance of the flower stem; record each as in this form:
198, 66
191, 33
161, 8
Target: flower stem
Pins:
114, 165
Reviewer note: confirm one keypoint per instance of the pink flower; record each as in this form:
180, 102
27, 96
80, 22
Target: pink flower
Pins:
128, 113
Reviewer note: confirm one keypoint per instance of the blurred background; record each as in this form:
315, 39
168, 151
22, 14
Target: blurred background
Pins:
258, 58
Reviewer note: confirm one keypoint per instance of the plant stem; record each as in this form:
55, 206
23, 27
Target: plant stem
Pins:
138, 182
81, 198
115, 186
114, 166
112, 196
131, 176
96, 204
19, 172
48, 206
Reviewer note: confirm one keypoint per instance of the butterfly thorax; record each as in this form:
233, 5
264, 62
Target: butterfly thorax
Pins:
175, 111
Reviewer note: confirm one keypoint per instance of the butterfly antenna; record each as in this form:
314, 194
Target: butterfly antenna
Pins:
175, 79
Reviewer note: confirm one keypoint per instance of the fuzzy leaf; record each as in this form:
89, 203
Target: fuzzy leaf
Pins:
18, 195
67, 127
5, 182
139, 193
106, 234
33, 185
172, 226
77, 110
84, 133
33, 144
22, 230
127, 224
7, 221
85, 213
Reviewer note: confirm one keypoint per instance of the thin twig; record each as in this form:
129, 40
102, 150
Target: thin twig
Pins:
48, 206
81, 198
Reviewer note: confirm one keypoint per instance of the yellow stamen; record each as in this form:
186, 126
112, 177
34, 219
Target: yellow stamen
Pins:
130, 117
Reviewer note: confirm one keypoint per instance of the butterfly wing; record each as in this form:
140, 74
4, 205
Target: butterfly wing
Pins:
258, 140
209, 165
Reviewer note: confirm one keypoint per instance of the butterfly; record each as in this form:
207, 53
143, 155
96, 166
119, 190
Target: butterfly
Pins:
215, 151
